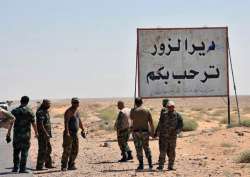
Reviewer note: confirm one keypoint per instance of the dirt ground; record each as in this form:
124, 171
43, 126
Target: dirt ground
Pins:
210, 150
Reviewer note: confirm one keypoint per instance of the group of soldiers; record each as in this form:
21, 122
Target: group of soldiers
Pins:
139, 121
22, 118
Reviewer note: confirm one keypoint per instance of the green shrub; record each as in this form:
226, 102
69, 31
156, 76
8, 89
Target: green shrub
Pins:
108, 116
189, 124
244, 157
246, 123
226, 145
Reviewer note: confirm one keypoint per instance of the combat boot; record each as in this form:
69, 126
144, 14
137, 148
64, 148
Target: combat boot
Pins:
130, 157
23, 170
170, 166
150, 163
15, 169
141, 166
160, 167
124, 157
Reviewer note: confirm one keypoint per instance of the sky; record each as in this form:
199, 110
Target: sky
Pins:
62, 48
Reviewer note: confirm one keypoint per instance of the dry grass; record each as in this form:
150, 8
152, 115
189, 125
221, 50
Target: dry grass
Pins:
108, 116
189, 124
244, 157
245, 123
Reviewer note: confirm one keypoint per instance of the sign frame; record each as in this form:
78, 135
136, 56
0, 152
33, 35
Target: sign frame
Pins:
137, 77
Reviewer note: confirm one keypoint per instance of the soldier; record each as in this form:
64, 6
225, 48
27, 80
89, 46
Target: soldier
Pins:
22, 134
169, 126
72, 123
122, 126
164, 109
142, 118
44, 135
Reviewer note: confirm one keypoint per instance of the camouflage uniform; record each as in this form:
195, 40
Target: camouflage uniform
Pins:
141, 117
44, 146
22, 134
71, 143
123, 133
169, 125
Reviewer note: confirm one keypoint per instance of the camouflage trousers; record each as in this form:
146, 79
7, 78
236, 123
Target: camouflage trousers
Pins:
141, 141
20, 147
122, 138
70, 150
44, 151
167, 147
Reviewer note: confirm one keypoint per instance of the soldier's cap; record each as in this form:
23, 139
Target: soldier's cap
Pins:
165, 101
75, 100
170, 103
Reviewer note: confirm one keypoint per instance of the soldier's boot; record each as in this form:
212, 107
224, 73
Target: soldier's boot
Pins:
141, 166
130, 157
150, 163
124, 157
160, 167
15, 168
170, 166
23, 169
71, 166
63, 167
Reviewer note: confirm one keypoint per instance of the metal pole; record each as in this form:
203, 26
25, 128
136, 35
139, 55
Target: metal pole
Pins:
228, 111
136, 69
235, 92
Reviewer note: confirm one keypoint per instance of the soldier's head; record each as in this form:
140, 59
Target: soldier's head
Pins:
170, 106
46, 104
75, 102
165, 102
138, 101
24, 100
120, 105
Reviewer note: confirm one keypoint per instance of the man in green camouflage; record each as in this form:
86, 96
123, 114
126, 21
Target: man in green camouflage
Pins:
72, 122
142, 119
44, 135
170, 124
22, 134
122, 126
163, 109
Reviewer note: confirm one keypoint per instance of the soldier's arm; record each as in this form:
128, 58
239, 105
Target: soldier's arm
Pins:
9, 115
35, 128
40, 119
150, 120
80, 123
179, 123
66, 121
157, 128
33, 123
9, 129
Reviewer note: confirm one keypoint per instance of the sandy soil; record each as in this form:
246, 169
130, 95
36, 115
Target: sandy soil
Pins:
209, 151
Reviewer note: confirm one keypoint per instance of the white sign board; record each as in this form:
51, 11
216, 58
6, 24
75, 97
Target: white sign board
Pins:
182, 62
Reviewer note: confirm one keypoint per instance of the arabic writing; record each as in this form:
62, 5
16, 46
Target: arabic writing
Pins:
191, 74
161, 49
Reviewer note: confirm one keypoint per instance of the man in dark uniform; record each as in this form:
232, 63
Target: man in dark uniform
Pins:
72, 123
122, 126
169, 126
44, 135
142, 119
163, 109
22, 134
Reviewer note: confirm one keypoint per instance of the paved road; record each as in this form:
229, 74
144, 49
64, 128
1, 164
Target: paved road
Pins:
6, 163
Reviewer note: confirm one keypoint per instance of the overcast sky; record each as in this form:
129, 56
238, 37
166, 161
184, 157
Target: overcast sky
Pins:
65, 48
